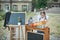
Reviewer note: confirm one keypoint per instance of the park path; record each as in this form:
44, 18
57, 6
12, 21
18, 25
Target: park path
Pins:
53, 10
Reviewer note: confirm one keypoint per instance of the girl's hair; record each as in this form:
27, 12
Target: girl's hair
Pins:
43, 13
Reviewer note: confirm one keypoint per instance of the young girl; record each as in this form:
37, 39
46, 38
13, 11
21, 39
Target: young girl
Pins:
43, 18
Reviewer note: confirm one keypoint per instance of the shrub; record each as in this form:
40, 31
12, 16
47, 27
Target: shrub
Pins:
1, 18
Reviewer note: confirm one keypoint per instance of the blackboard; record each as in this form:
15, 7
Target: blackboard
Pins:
34, 36
14, 18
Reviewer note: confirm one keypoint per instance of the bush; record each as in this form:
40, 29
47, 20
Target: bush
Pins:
1, 18
2, 15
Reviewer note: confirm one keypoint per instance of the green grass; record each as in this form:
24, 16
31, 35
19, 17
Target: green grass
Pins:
53, 22
1, 23
2, 15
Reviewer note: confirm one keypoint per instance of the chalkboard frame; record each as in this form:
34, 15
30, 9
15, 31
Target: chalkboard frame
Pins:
34, 35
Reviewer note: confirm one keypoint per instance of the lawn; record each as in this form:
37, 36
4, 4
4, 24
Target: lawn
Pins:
53, 22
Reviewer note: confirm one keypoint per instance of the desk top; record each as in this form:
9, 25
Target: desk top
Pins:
14, 25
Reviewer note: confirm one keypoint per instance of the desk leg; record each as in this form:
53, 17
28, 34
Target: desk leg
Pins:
19, 33
46, 34
10, 34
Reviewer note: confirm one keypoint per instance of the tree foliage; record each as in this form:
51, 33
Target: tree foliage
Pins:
40, 3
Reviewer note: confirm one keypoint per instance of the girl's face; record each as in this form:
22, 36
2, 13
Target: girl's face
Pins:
42, 15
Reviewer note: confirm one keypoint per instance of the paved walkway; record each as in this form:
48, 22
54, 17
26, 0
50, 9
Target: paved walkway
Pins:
53, 10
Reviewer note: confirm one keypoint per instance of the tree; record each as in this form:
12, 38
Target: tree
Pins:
40, 3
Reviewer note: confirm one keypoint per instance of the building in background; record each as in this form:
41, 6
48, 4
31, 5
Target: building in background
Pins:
53, 3
17, 5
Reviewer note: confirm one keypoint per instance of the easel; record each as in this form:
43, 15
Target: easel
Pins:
15, 29
13, 32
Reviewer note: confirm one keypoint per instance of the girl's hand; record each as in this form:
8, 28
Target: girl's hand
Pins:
46, 21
